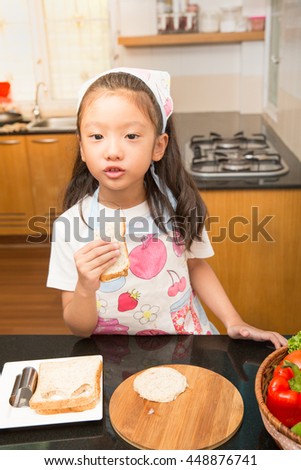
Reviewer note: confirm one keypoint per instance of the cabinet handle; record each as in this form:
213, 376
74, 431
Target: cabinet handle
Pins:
9, 142
44, 141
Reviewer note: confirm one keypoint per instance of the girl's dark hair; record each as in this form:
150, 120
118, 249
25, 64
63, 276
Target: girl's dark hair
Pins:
188, 218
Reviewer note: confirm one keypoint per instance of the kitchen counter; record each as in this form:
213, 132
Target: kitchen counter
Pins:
237, 360
227, 124
34, 131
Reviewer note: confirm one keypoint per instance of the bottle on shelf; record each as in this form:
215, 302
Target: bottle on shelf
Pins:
176, 16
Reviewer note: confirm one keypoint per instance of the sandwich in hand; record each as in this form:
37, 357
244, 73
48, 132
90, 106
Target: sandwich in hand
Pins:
122, 264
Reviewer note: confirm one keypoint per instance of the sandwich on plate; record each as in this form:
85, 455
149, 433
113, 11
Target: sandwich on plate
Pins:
66, 386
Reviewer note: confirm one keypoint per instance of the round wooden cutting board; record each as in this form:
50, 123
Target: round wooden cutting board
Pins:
205, 416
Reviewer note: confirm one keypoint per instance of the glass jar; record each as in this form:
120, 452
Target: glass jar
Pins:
256, 23
231, 19
209, 21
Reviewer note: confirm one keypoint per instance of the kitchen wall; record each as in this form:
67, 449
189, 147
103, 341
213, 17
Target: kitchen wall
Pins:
221, 77
286, 120
205, 78
59, 43
224, 77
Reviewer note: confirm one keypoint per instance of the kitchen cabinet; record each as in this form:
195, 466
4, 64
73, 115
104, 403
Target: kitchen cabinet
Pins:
16, 201
256, 238
51, 158
35, 170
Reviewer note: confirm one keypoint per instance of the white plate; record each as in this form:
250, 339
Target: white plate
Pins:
11, 417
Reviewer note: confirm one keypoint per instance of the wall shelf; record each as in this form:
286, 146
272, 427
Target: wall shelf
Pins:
189, 38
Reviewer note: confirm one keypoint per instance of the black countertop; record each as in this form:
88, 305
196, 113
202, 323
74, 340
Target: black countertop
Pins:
227, 124
237, 360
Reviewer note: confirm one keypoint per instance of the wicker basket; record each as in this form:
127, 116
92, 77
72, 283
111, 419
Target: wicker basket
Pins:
282, 435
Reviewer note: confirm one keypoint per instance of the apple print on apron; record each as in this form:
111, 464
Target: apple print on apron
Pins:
148, 258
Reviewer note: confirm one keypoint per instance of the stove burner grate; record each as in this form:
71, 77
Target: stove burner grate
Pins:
239, 155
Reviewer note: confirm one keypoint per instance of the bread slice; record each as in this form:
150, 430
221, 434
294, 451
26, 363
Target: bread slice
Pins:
122, 264
160, 384
67, 386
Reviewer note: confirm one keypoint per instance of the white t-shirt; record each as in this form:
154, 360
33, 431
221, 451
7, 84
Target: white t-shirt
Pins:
156, 296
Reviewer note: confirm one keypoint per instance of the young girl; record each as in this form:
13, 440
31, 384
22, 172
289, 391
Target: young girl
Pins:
129, 165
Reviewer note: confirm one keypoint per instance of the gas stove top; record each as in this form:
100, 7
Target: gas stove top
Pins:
238, 156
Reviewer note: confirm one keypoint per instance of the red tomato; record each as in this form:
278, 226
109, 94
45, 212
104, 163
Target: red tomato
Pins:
294, 357
283, 396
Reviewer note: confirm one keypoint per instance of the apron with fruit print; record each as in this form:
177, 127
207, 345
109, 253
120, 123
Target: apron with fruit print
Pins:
156, 296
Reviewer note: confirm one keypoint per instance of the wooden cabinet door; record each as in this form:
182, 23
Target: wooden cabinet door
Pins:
256, 238
16, 204
51, 158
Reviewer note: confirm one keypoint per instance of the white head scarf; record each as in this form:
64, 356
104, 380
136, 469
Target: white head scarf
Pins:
157, 81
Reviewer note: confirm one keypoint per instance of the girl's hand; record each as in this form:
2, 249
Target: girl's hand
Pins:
245, 331
92, 260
